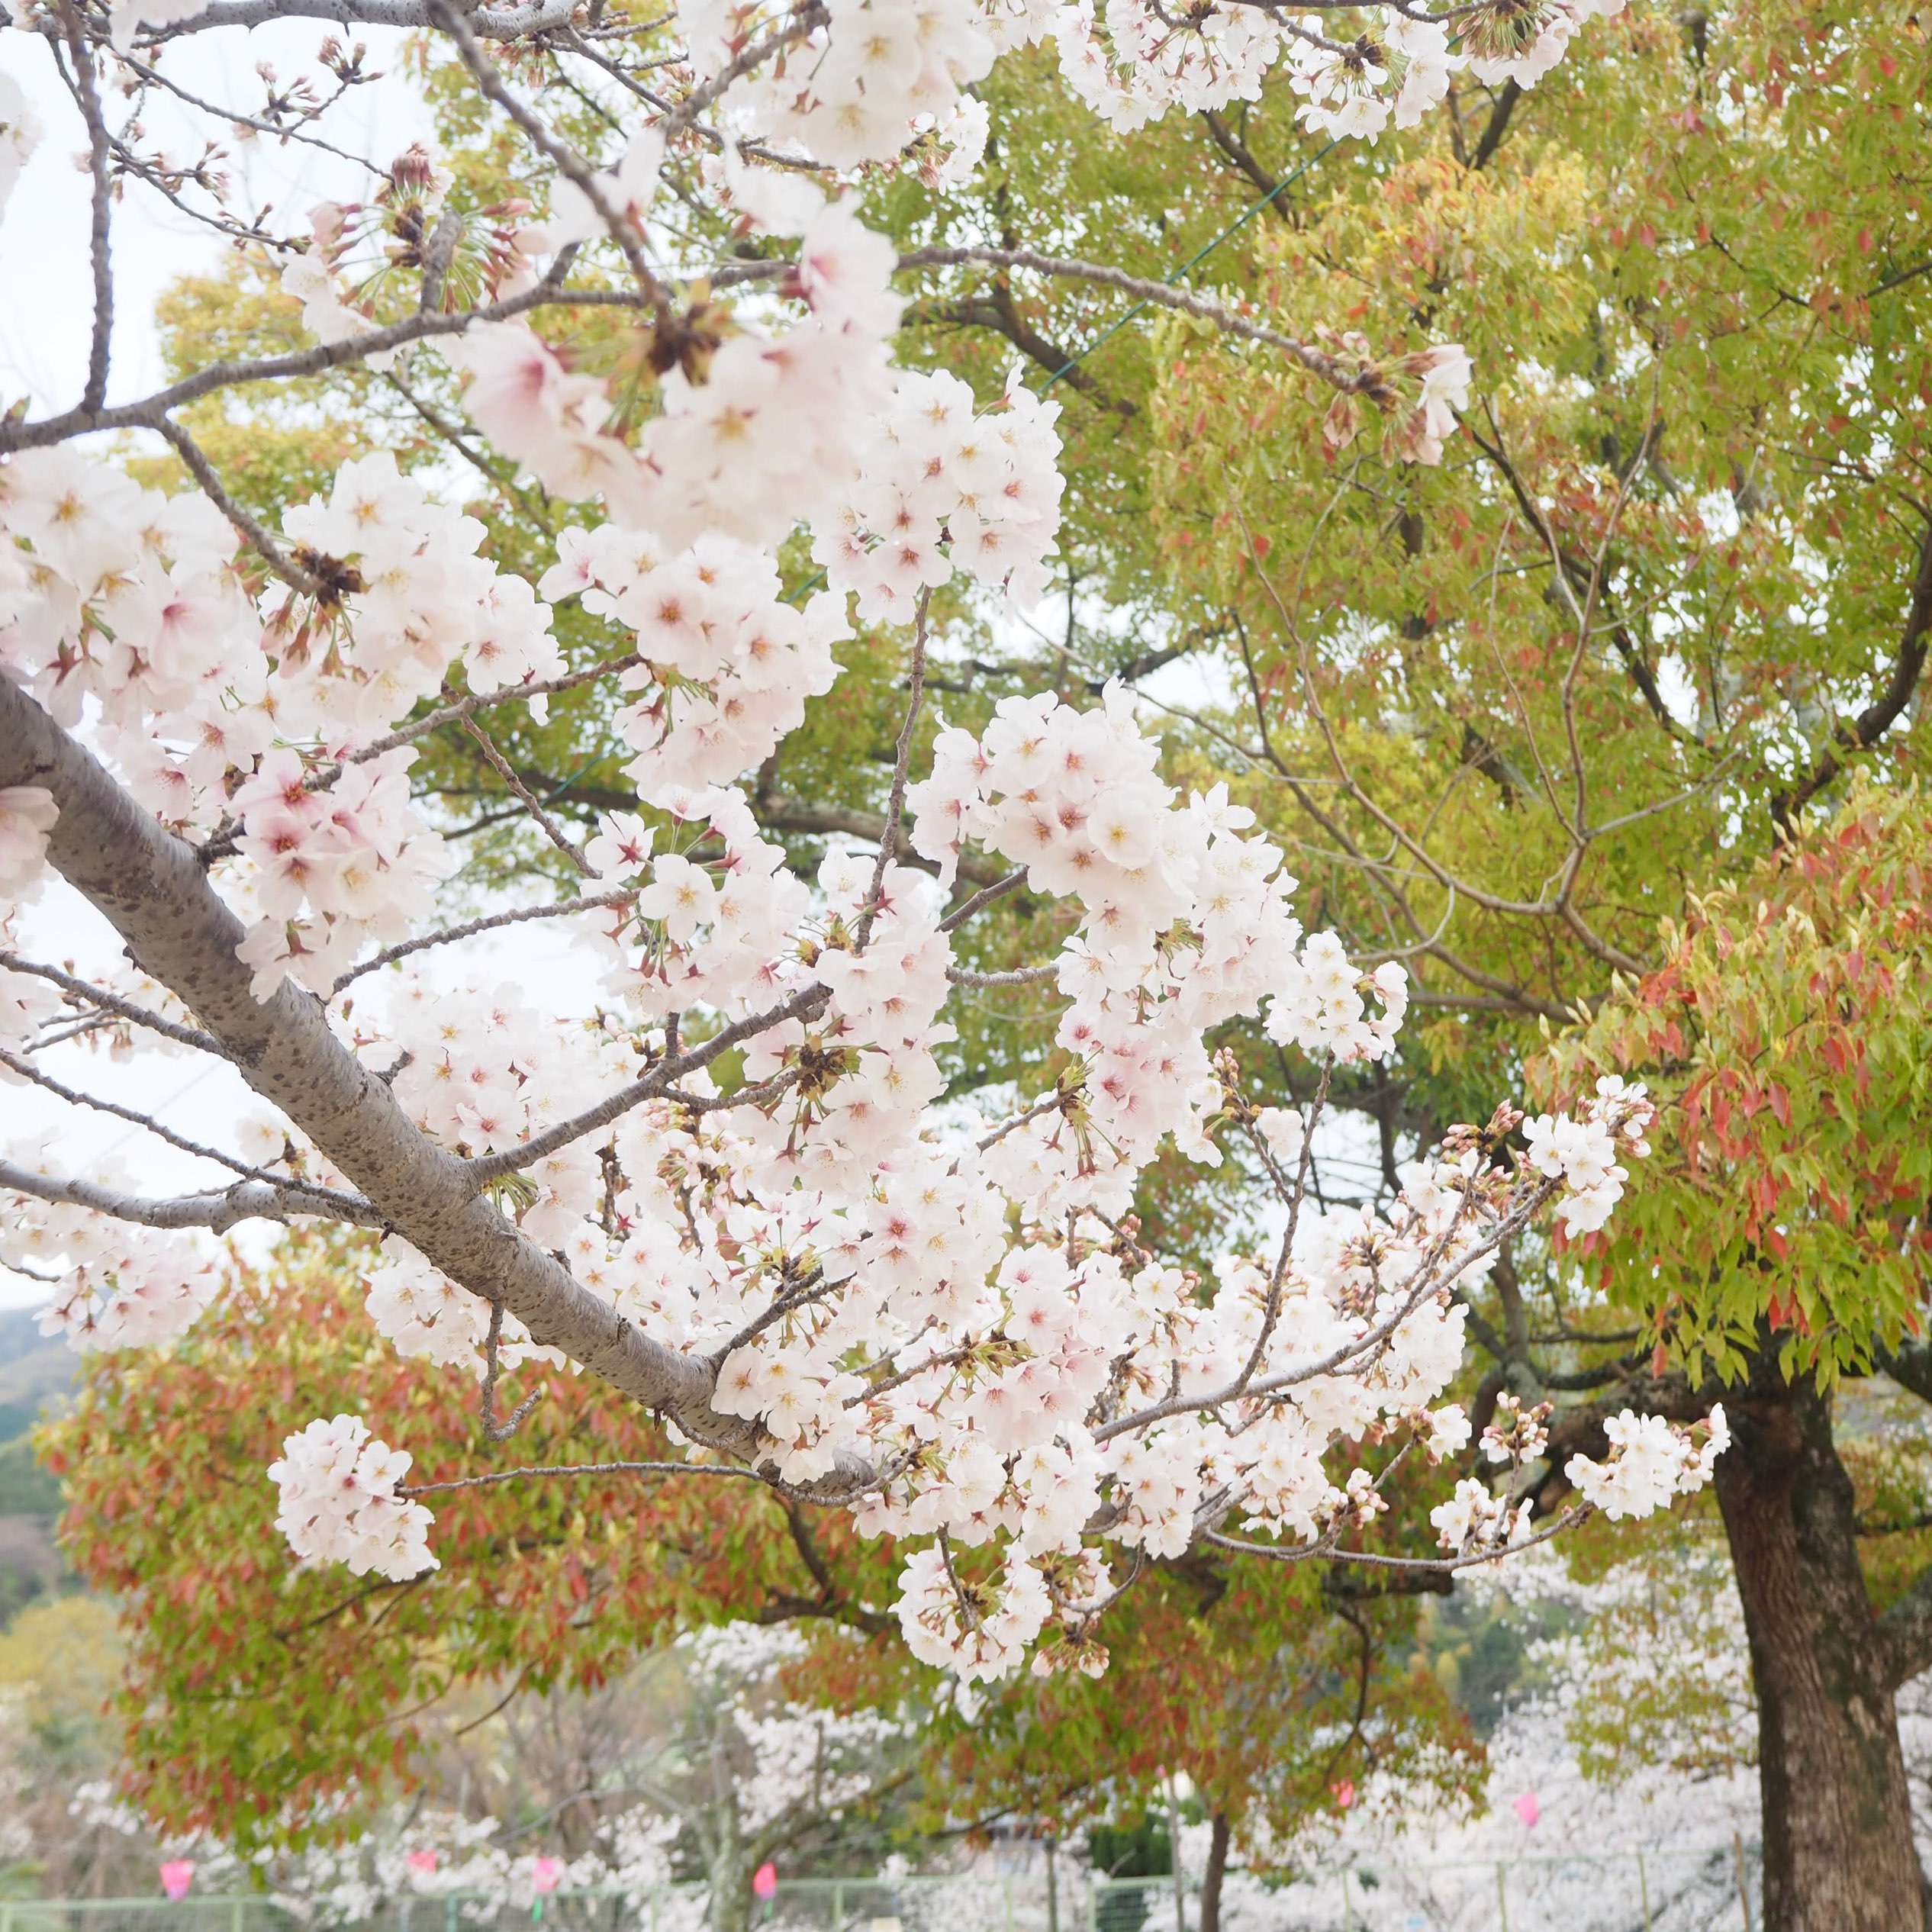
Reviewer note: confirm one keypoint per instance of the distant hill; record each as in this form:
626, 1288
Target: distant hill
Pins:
36, 1370
32, 1367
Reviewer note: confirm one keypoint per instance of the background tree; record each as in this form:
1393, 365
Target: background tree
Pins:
1673, 585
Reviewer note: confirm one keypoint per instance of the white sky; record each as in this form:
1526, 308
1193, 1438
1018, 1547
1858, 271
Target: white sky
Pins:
47, 307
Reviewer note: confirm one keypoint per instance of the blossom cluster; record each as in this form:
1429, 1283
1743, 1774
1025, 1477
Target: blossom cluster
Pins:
1583, 1153
414, 598
873, 77
724, 665
335, 867
754, 431
339, 1503
943, 486
120, 1286
1649, 1462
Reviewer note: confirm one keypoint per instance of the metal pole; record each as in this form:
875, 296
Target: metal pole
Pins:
838, 1905
1348, 1905
1006, 1886
1644, 1886
1093, 1903
1503, 1895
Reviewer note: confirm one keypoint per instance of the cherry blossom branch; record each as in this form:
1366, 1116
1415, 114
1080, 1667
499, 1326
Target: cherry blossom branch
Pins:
481, 701
1299, 1553
982, 899
806, 1005
221, 842
805, 21
1053, 1102
150, 886
814, 1288
99, 995
145, 414
234, 116
246, 1200
560, 156
449, 934
1353, 1354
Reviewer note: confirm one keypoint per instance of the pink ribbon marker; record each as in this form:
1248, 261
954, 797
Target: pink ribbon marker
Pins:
1526, 1808
422, 1862
764, 1881
177, 1875
546, 1874
1344, 1792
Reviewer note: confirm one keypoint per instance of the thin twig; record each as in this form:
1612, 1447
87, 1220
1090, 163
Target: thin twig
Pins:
100, 144
449, 934
257, 537
552, 830
112, 1002
579, 1469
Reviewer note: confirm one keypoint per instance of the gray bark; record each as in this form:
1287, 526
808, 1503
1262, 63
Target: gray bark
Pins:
152, 889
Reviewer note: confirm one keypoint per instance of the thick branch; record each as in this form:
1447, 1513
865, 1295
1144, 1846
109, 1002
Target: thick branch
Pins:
150, 886
1884, 711
490, 23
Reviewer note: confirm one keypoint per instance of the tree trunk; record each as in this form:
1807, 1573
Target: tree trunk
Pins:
1838, 1853
1217, 1867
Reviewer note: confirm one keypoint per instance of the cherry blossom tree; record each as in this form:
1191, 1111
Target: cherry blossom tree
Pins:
731, 1189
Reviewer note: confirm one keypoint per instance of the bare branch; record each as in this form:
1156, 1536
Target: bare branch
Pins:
80, 989
1019, 976
983, 898
449, 934
552, 830
247, 1200
100, 144
252, 533
578, 1469
1162, 294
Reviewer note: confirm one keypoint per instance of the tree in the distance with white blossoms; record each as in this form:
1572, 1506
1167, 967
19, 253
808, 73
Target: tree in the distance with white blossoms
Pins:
732, 1191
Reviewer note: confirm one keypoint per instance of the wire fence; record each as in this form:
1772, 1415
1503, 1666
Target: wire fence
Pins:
1709, 1888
